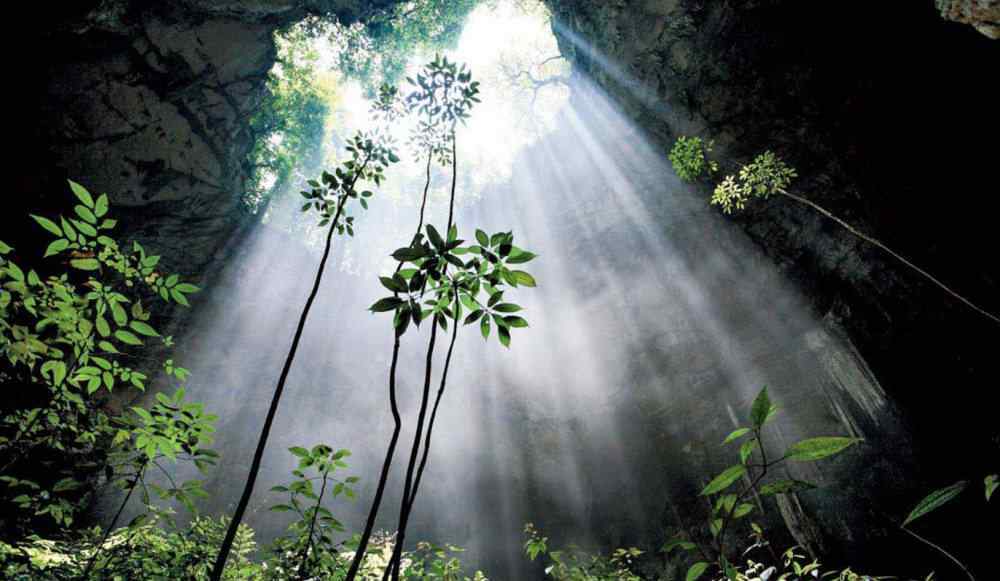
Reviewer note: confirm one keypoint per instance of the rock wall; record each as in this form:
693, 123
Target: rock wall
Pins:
150, 102
884, 108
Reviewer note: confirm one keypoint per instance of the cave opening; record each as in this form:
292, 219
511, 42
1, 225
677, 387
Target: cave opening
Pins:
677, 225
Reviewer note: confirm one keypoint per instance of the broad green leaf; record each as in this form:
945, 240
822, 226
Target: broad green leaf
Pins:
179, 297
68, 230
102, 326
696, 571
48, 225
762, 409
87, 214
742, 510
991, 482
746, 449
143, 329
101, 208
4, 248
515, 322
386, 304
520, 257
523, 278
127, 338
818, 448
85, 228
785, 487
484, 327
503, 334
736, 434
15, 272
56, 247
299, 451
725, 479
81, 193
935, 500
85, 263
187, 288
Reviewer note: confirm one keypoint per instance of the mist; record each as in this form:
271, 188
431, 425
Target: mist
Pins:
654, 324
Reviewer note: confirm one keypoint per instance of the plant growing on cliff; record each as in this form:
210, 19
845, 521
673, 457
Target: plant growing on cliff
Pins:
432, 281
66, 340
729, 507
690, 157
769, 175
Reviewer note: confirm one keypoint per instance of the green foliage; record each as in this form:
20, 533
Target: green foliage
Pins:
309, 549
690, 158
428, 289
289, 125
371, 154
766, 175
729, 507
147, 551
377, 51
576, 565
66, 340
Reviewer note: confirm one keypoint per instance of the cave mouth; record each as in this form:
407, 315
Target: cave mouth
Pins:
567, 429
656, 320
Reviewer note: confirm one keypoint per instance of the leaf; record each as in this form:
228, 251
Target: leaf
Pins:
48, 225
56, 247
696, 571
484, 327
504, 335
127, 338
520, 257
725, 479
935, 500
85, 263
81, 193
785, 487
818, 448
515, 322
762, 409
736, 434
101, 208
179, 297
386, 304
186, 288
435, 237
746, 449
523, 278
991, 482
299, 451
85, 213
482, 238
143, 329
4, 248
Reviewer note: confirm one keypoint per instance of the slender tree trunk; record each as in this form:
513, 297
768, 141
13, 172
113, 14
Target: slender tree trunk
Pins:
241, 507
409, 489
359, 553
304, 570
111, 526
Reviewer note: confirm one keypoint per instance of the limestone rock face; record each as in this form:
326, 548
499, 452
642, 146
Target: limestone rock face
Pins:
150, 102
984, 15
870, 102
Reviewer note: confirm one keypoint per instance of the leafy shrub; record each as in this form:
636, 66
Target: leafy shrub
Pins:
66, 341
689, 156
577, 565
